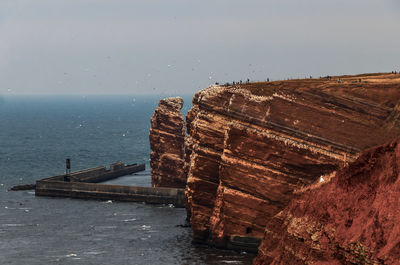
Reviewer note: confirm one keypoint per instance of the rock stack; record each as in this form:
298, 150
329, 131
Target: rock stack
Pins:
167, 135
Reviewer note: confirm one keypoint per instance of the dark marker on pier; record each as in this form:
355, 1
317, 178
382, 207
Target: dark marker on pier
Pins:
67, 169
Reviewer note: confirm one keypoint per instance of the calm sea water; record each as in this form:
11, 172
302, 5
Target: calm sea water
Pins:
36, 135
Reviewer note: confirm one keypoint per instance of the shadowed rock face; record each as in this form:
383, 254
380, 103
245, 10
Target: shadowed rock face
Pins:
167, 144
248, 147
352, 219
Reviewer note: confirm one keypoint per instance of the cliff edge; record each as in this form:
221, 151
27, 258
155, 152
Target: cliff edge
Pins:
249, 146
250, 149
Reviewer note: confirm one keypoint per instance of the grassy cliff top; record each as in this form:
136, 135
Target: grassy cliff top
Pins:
381, 88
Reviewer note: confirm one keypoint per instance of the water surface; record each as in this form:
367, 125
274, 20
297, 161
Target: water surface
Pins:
36, 135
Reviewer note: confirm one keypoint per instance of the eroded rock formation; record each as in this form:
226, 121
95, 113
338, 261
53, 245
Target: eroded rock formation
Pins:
167, 144
352, 219
249, 146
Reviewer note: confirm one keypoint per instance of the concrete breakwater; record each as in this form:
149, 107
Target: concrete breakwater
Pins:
100, 174
84, 185
81, 190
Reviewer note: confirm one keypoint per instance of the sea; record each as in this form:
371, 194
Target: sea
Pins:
37, 134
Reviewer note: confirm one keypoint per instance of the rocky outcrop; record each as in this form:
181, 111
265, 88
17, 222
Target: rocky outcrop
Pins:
249, 146
352, 219
167, 144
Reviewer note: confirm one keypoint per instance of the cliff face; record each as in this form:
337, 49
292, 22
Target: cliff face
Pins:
248, 147
352, 219
167, 144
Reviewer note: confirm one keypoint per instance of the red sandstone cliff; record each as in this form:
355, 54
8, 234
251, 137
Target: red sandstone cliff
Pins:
248, 147
353, 219
167, 144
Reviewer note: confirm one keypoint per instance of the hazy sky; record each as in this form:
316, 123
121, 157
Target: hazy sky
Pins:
171, 47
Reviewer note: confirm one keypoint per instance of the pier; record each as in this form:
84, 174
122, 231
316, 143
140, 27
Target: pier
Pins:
84, 184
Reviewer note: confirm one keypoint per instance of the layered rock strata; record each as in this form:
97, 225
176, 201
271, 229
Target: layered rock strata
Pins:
352, 219
167, 135
248, 147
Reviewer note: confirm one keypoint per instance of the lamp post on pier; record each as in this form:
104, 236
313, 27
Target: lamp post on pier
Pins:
67, 169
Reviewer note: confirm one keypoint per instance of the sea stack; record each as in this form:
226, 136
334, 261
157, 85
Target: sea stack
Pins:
167, 135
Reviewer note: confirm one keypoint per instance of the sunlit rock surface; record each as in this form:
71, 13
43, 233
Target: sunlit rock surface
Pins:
167, 144
249, 146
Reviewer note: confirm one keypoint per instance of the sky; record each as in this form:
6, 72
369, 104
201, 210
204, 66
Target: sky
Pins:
175, 47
